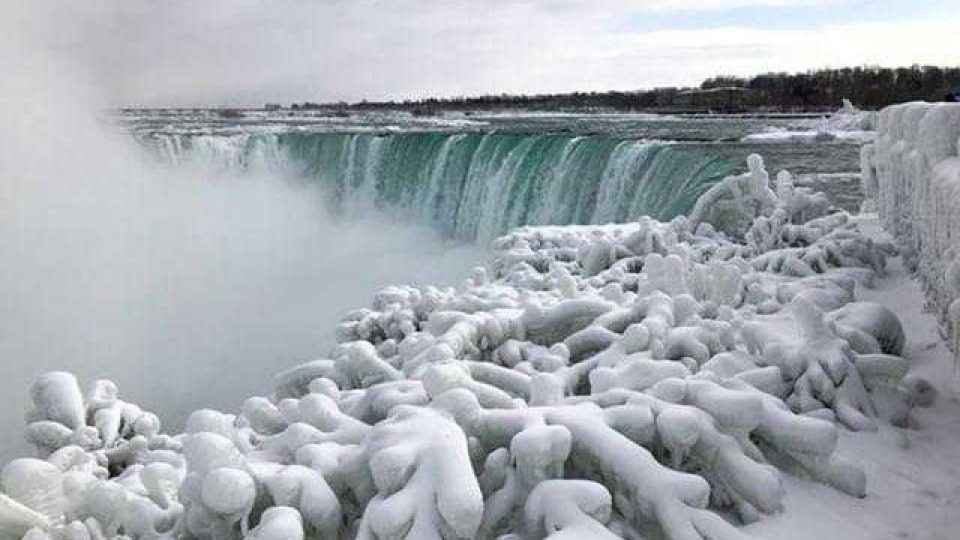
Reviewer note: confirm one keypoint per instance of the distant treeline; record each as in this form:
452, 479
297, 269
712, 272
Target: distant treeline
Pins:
813, 91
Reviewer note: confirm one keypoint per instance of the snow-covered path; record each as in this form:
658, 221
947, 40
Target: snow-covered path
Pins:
913, 486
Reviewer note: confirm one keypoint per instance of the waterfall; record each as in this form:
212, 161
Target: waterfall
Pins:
474, 186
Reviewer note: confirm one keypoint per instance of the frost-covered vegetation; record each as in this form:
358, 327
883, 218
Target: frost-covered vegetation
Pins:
911, 175
623, 381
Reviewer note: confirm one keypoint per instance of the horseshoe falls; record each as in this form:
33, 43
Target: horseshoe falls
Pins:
475, 186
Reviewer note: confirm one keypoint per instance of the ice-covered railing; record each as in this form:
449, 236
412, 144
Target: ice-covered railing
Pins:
912, 176
621, 381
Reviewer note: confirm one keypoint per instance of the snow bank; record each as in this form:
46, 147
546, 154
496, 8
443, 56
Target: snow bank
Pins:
911, 175
603, 382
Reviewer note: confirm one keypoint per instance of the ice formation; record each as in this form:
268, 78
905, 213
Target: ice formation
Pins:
847, 124
849, 118
912, 175
615, 381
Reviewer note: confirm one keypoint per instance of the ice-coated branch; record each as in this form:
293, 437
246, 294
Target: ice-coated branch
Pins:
425, 483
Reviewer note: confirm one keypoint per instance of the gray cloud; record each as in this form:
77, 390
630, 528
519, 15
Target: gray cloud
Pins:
250, 51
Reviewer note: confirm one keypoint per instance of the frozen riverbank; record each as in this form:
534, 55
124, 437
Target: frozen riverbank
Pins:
641, 380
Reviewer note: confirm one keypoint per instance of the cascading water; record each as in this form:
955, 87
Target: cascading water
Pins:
474, 186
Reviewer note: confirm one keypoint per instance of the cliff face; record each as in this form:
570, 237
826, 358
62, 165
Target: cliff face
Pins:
912, 175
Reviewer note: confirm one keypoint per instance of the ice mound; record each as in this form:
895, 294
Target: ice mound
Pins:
610, 381
911, 176
850, 119
847, 124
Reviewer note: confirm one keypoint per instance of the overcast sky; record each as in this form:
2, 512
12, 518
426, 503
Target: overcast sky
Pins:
237, 52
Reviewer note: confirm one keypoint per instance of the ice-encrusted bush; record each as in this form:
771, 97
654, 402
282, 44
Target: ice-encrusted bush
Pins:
732, 204
598, 382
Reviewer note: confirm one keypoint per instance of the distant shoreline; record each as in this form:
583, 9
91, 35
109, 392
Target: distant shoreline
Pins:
333, 111
774, 95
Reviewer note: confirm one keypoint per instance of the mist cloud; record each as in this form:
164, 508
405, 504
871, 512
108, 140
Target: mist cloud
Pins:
188, 287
